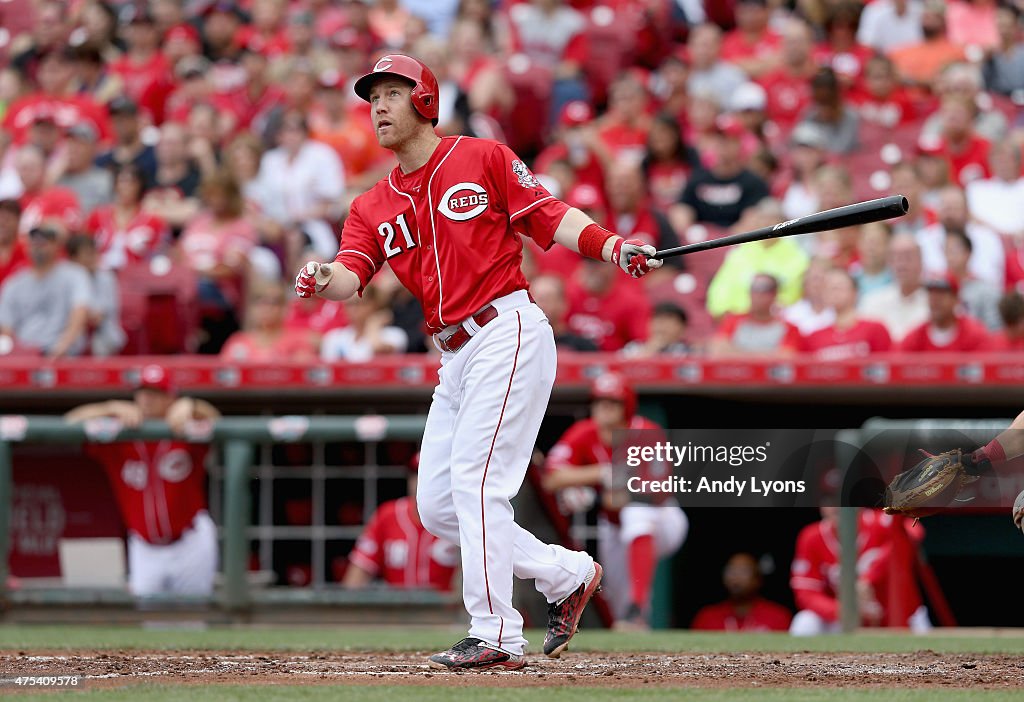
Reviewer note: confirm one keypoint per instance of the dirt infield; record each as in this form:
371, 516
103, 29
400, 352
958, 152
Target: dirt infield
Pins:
919, 670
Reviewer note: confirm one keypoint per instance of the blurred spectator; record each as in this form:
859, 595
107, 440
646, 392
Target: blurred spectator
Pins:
12, 249
369, 333
783, 259
128, 147
753, 46
988, 262
830, 113
789, 85
987, 197
573, 142
881, 101
303, 47
98, 27
708, 72
45, 307
720, 194
397, 549
871, 271
249, 105
622, 130
634, 531
438, 14
748, 104
549, 293
1011, 311
1004, 63
106, 337
610, 310
745, 609
216, 245
947, 329
922, 61
840, 51
806, 155
300, 184
177, 553
980, 298
810, 313
903, 304
543, 30
92, 185
959, 144
222, 20
265, 338
123, 231
759, 331
389, 18
193, 87
814, 575
631, 214
40, 201
886, 25
833, 187
49, 32
667, 162
850, 336
666, 334
265, 32
963, 82
973, 23
173, 195
479, 74
142, 66
905, 180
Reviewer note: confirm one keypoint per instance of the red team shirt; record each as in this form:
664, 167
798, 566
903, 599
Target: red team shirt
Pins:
395, 547
117, 245
611, 320
971, 335
449, 229
160, 486
763, 615
862, 339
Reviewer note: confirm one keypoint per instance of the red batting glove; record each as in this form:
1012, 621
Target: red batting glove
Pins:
305, 281
634, 257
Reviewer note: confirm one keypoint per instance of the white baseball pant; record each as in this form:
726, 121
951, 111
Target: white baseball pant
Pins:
477, 444
184, 567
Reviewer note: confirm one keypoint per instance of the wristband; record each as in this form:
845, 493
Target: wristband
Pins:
993, 451
592, 240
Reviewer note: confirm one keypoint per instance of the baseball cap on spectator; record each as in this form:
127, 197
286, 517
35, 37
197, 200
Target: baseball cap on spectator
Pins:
729, 126
154, 377
807, 134
584, 196
182, 32
942, 281
749, 96
929, 145
83, 131
122, 105
331, 80
575, 113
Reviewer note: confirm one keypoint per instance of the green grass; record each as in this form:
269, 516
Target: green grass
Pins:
15, 638
226, 693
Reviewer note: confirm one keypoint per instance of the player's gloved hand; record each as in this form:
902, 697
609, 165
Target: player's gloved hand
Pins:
634, 257
306, 284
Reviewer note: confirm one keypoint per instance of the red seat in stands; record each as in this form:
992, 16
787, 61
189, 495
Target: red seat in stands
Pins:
158, 309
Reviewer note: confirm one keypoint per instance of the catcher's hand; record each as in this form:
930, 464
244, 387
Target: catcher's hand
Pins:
931, 485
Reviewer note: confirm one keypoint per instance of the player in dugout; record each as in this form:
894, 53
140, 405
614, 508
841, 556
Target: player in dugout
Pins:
160, 487
396, 548
632, 535
448, 220
745, 609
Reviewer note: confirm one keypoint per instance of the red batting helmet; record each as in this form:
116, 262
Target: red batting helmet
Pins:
613, 386
424, 84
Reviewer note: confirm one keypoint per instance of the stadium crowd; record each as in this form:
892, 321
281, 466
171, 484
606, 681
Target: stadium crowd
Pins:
165, 166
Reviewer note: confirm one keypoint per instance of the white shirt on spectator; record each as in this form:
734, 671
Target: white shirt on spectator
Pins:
883, 29
899, 314
989, 201
988, 257
541, 36
343, 345
437, 14
289, 189
802, 315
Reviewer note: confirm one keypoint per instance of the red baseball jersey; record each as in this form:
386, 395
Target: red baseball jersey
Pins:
159, 485
894, 110
449, 229
395, 547
862, 339
814, 574
788, 95
969, 335
763, 615
52, 203
613, 319
120, 243
969, 163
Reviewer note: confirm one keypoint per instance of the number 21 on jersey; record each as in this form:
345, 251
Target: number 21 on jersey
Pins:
387, 230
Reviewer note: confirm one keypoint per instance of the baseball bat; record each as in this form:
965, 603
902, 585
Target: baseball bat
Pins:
837, 218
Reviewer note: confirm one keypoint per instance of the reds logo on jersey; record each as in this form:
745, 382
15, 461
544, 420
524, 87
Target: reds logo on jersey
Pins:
135, 474
463, 202
175, 466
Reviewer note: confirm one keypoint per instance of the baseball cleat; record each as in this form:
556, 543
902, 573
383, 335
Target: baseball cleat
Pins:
475, 654
564, 615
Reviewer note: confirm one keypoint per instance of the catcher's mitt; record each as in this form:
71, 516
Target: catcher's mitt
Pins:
930, 485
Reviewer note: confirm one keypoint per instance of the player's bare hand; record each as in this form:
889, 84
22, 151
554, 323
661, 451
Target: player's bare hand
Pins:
634, 257
312, 278
1018, 511
128, 413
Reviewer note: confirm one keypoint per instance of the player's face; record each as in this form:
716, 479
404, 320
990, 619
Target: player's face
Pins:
740, 577
152, 403
394, 119
840, 293
608, 413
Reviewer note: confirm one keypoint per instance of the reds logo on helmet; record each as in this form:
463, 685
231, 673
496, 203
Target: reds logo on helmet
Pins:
463, 201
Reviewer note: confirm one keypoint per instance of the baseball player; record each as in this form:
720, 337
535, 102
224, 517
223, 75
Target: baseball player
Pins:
632, 535
448, 221
160, 487
395, 547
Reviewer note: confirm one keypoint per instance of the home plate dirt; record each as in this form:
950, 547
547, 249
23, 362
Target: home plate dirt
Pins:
922, 669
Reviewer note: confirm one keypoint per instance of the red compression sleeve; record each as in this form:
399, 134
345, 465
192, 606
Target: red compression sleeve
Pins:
641, 569
592, 240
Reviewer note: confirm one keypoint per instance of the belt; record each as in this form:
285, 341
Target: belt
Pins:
457, 339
